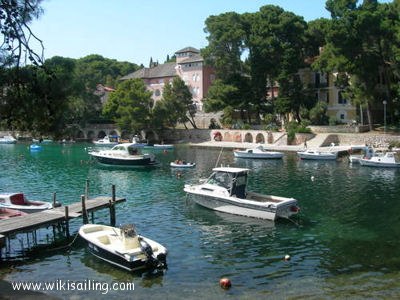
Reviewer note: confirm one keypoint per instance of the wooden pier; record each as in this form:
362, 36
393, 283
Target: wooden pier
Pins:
58, 215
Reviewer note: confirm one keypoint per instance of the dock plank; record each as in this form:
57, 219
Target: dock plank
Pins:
52, 216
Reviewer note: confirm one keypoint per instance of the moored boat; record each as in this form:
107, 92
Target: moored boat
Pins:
126, 154
317, 154
123, 247
258, 152
182, 164
18, 201
107, 141
6, 213
387, 160
226, 191
35, 147
7, 139
366, 152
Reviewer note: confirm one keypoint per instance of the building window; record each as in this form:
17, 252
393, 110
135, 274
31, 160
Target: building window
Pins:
341, 99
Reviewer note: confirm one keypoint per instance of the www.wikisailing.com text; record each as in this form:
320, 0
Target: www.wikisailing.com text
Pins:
70, 285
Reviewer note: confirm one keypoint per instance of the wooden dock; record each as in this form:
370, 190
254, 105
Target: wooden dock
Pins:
58, 215
53, 216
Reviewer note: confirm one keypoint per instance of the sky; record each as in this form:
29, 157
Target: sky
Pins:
135, 30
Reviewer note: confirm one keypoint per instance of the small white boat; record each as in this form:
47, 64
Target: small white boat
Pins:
107, 141
7, 139
123, 247
387, 160
366, 152
163, 146
182, 164
258, 152
126, 154
18, 201
316, 154
226, 191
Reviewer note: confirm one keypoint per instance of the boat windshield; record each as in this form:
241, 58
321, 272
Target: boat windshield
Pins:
132, 150
220, 178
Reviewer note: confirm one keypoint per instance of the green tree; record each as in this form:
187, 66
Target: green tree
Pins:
38, 99
360, 44
17, 37
177, 101
130, 105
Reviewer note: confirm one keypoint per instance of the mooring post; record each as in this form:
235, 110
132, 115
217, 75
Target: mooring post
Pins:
67, 221
112, 213
87, 189
84, 212
54, 199
113, 193
112, 206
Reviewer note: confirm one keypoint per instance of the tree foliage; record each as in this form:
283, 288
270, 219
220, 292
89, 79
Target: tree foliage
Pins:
16, 47
176, 106
251, 53
130, 105
362, 43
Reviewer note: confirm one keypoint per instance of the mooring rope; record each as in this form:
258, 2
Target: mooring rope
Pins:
216, 164
66, 246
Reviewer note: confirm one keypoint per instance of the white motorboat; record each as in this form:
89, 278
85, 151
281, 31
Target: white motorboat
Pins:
18, 201
163, 146
226, 191
123, 247
107, 141
258, 152
366, 152
317, 154
387, 160
182, 164
126, 154
7, 139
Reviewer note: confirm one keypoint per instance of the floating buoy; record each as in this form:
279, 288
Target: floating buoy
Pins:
225, 283
312, 178
287, 257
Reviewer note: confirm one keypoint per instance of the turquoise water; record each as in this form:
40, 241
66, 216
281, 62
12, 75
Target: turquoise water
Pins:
344, 243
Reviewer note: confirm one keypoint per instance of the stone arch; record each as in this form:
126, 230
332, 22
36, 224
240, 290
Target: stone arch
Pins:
270, 138
125, 135
248, 138
227, 137
150, 136
113, 133
101, 134
91, 135
80, 134
260, 138
237, 137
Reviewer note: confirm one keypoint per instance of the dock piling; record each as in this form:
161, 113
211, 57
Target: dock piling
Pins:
67, 220
84, 211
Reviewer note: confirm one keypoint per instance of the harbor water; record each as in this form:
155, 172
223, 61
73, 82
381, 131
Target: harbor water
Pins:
344, 242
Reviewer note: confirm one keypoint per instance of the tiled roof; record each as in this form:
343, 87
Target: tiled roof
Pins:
194, 58
188, 49
162, 70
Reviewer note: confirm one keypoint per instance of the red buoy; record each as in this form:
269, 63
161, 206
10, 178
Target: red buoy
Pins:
225, 283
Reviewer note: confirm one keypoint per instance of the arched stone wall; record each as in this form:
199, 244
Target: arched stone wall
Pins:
90, 135
101, 134
227, 137
237, 137
248, 138
260, 139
